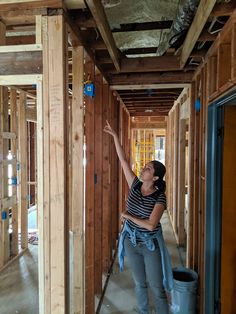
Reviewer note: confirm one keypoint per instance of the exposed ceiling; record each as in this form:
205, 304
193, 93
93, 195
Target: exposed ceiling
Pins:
147, 50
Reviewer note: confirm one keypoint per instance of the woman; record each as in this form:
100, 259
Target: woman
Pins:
141, 238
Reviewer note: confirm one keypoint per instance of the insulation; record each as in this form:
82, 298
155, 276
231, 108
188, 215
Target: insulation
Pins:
130, 11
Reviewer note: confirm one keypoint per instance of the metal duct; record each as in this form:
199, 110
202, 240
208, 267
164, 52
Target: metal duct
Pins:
183, 20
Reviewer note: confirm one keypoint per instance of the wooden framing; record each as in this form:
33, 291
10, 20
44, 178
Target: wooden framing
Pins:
176, 167
202, 14
97, 10
4, 221
60, 141
89, 197
98, 130
77, 167
22, 133
52, 199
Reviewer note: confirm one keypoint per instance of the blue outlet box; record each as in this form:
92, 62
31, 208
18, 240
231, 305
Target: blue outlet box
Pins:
89, 89
4, 215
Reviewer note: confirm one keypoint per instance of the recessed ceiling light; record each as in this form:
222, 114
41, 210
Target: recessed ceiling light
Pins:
148, 110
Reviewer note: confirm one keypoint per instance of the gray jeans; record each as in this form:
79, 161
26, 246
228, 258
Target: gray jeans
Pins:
146, 269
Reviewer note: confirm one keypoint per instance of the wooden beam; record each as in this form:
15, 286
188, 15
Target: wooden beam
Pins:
148, 114
20, 48
147, 101
148, 125
98, 13
142, 93
11, 5
15, 63
223, 9
20, 79
147, 98
21, 17
20, 40
151, 78
150, 64
204, 9
148, 86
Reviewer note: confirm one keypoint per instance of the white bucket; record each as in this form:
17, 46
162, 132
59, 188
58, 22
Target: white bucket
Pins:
184, 294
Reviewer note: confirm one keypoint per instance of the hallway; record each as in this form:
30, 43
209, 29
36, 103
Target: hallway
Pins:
163, 74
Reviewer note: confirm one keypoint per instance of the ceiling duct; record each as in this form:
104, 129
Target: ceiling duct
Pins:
183, 20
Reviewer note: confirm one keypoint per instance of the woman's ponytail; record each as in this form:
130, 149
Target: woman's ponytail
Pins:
160, 184
159, 171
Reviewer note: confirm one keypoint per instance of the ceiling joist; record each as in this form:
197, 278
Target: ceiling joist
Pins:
150, 64
152, 78
204, 9
99, 16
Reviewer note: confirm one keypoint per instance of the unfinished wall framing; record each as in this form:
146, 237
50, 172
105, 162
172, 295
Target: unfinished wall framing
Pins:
213, 79
177, 164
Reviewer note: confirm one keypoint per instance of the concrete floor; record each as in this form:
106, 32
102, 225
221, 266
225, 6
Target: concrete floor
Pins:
19, 282
19, 285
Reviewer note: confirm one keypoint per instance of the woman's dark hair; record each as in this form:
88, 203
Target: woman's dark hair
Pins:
159, 171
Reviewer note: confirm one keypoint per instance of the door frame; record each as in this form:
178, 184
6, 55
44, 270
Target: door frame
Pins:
213, 218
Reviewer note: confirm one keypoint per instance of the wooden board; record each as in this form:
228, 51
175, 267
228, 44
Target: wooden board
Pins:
77, 167
98, 134
89, 195
106, 185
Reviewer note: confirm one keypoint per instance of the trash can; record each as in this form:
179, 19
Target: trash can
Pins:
184, 294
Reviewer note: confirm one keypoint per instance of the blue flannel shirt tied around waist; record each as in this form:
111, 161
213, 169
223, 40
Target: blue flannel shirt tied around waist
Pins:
147, 239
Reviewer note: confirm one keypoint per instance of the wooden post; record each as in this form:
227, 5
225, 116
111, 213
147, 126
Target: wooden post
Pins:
106, 186
114, 175
98, 128
23, 186
77, 167
52, 165
43, 180
13, 117
189, 257
196, 184
180, 187
175, 167
89, 194
4, 221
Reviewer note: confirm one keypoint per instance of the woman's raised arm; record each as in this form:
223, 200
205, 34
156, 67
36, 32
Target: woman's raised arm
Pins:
129, 175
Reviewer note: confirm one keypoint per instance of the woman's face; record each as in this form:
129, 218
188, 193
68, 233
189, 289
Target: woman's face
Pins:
148, 172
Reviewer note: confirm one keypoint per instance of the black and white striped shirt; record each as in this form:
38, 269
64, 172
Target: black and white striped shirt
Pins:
142, 206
